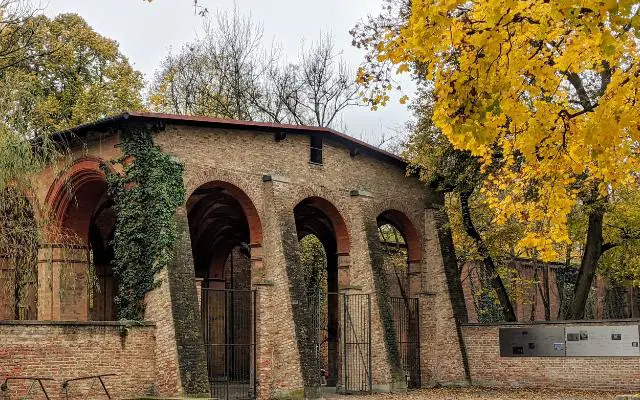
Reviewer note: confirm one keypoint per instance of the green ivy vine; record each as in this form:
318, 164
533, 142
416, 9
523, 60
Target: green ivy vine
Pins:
145, 198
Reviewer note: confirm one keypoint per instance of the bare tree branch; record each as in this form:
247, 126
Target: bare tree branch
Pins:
229, 74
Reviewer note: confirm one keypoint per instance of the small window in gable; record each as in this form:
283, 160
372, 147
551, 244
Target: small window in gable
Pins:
315, 147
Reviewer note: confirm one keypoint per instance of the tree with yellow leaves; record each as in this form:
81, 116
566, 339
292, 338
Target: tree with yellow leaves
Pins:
549, 87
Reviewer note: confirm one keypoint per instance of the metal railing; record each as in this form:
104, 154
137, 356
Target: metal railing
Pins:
228, 320
406, 322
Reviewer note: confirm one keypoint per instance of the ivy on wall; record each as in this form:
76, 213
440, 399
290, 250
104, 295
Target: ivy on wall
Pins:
145, 198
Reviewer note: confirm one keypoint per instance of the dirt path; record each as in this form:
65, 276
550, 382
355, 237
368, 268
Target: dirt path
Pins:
490, 394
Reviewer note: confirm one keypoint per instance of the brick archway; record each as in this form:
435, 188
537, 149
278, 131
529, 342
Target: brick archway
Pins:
75, 195
319, 217
81, 229
221, 218
404, 225
338, 225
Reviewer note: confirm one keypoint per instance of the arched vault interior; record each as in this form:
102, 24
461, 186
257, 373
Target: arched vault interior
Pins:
218, 225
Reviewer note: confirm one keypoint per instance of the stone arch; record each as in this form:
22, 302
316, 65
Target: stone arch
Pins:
79, 235
317, 216
402, 223
85, 178
338, 223
226, 243
221, 218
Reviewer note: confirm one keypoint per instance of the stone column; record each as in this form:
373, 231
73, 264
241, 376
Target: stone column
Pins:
367, 275
173, 306
63, 293
285, 350
441, 302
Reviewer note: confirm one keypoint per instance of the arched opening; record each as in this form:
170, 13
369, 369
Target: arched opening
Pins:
401, 246
225, 232
401, 261
19, 243
80, 249
226, 239
323, 239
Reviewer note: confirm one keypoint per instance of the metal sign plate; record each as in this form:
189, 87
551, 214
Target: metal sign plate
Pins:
532, 341
609, 341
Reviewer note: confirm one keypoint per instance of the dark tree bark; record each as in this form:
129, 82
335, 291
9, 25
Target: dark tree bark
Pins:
489, 265
592, 252
545, 293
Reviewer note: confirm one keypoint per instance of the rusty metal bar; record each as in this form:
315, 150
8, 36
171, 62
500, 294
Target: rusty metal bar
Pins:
5, 385
65, 383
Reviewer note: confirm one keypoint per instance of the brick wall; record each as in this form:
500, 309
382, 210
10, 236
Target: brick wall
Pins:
65, 350
599, 373
242, 158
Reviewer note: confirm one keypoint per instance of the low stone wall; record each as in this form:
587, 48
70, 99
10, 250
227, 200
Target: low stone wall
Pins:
65, 350
487, 368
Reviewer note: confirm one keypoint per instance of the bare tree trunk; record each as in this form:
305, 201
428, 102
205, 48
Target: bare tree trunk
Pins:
534, 304
496, 282
590, 257
546, 294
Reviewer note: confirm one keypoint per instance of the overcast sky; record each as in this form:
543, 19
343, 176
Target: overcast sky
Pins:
147, 31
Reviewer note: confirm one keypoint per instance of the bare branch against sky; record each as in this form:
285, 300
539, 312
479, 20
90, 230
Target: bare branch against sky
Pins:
148, 31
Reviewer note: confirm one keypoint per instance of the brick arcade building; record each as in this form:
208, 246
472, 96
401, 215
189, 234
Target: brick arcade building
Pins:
230, 314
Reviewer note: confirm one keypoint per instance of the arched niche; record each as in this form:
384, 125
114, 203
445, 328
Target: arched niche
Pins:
402, 252
318, 218
75, 263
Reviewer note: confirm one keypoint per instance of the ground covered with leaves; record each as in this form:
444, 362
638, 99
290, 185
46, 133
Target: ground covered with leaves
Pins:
492, 394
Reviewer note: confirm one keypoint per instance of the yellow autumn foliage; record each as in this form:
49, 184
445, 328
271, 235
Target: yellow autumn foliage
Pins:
551, 86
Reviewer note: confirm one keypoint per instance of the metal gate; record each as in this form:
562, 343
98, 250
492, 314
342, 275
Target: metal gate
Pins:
356, 340
407, 329
325, 311
228, 318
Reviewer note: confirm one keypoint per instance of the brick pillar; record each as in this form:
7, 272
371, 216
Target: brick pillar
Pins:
368, 275
441, 301
173, 306
414, 273
63, 282
284, 350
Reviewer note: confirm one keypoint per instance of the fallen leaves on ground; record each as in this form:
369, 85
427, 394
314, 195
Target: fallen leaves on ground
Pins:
492, 394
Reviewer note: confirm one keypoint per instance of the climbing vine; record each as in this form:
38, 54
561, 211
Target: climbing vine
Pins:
145, 198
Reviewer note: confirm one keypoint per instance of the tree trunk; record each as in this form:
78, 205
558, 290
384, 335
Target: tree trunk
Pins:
546, 295
496, 282
592, 253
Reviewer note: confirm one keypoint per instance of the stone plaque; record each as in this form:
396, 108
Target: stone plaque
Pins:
602, 341
532, 341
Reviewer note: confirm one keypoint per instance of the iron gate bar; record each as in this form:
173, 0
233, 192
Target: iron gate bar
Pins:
324, 308
406, 322
230, 341
357, 339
